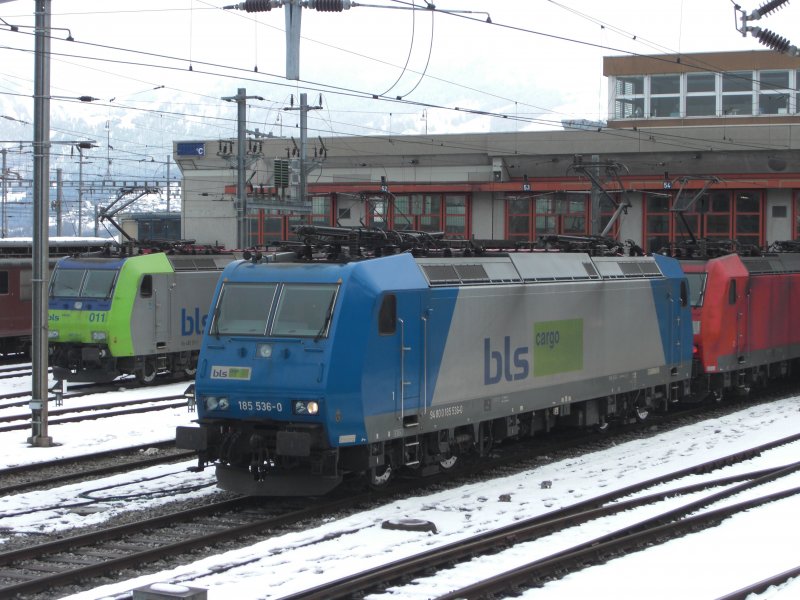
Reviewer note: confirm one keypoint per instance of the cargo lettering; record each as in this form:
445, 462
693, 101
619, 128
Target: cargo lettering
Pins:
503, 363
192, 324
548, 338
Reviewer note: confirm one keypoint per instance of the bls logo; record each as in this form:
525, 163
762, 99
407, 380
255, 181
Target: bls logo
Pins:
192, 325
498, 364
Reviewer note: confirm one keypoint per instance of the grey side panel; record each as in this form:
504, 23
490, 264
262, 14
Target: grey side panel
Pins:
614, 323
172, 320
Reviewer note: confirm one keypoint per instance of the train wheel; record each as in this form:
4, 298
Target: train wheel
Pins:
379, 477
448, 463
191, 371
641, 412
147, 373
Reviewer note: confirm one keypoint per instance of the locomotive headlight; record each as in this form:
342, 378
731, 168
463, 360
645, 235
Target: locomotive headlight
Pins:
217, 403
305, 407
52, 334
264, 350
98, 336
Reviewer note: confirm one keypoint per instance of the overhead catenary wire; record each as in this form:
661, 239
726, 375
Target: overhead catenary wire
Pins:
463, 110
330, 88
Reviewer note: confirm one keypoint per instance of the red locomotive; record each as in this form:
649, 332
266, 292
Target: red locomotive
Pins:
746, 331
15, 285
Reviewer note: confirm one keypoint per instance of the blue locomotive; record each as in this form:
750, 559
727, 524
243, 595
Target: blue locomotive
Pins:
311, 371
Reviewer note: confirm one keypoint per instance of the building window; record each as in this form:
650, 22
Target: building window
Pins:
425, 212
402, 212
518, 218
530, 217
429, 217
629, 103
774, 93
701, 83
749, 218
720, 215
658, 230
665, 95
737, 93
701, 94
456, 217
267, 226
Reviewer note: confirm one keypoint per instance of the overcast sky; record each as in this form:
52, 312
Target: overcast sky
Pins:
538, 62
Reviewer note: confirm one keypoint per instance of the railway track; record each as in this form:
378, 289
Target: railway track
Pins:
655, 530
88, 466
253, 521
15, 371
97, 411
61, 562
759, 587
85, 389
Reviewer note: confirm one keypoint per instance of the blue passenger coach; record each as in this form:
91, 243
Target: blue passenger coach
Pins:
311, 371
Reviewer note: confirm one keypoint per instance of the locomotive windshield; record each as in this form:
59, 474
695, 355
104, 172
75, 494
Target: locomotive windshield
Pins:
301, 310
304, 310
83, 283
243, 309
697, 287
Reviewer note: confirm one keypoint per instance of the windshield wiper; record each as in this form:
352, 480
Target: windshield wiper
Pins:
215, 322
328, 318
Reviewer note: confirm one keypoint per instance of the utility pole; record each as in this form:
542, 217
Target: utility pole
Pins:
594, 209
293, 14
41, 200
241, 98
4, 174
80, 192
59, 199
169, 183
300, 167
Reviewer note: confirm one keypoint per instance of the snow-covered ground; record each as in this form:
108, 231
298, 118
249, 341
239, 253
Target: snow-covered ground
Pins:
743, 549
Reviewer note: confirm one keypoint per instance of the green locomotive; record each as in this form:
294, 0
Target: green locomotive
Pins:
140, 315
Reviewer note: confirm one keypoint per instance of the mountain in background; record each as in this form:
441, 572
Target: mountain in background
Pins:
128, 151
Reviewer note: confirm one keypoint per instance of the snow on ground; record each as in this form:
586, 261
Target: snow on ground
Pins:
743, 549
75, 439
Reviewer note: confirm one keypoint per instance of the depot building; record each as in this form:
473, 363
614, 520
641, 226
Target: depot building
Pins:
716, 136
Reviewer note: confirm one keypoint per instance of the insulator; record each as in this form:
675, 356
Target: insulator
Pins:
772, 40
769, 7
256, 5
331, 5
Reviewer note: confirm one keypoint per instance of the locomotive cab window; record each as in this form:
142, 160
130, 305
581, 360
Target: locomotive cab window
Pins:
732, 292
243, 309
3, 282
697, 288
66, 283
684, 294
99, 283
387, 317
304, 310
